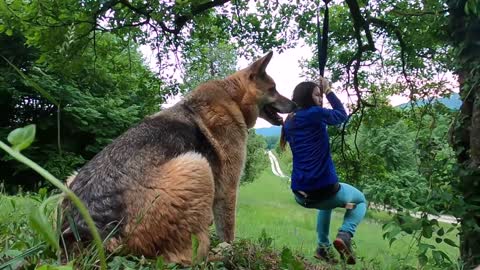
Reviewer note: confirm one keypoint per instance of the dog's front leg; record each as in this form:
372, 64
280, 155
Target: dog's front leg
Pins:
224, 216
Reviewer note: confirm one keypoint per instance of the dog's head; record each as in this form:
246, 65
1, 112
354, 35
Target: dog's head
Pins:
259, 96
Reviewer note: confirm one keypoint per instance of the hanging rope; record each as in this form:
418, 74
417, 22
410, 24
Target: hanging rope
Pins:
322, 49
322, 38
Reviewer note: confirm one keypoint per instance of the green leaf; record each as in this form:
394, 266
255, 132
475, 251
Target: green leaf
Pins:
423, 248
29, 252
13, 203
422, 259
64, 267
9, 32
437, 256
33, 84
286, 256
438, 240
54, 267
181, 2
289, 261
42, 192
451, 229
450, 242
440, 232
39, 223
391, 241
194, 247
445, 256
159, 264
11, 253
21, 138
73, 227
427, 232
471, 7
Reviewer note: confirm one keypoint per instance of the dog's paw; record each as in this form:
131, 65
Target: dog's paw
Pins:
222, 249
220, 252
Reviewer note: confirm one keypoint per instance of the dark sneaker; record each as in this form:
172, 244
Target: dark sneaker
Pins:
343, 244
325, 254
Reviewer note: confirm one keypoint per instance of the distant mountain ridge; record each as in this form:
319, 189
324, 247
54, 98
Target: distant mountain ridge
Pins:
270, 131
453, 102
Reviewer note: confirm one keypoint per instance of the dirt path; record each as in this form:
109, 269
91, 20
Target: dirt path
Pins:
275, 165
441, 218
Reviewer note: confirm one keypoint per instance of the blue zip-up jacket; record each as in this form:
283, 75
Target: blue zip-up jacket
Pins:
306, 133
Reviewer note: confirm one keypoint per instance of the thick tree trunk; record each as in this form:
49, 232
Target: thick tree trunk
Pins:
467, 146
465, 33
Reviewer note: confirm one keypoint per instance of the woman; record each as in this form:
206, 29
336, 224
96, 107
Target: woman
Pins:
314, 179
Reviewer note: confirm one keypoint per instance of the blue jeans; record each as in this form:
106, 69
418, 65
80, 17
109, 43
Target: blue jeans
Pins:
346, 194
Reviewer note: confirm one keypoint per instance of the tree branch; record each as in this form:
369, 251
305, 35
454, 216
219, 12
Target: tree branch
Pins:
180, 21
359, 23
390, 27
419, 13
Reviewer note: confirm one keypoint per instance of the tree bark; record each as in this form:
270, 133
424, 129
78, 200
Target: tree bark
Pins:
465, 33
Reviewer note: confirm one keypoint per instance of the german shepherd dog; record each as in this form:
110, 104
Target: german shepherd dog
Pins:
176, 172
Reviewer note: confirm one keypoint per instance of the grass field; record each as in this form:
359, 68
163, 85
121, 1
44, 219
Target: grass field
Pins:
267, 204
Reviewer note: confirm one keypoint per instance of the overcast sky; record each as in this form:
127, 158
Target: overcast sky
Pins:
284, 68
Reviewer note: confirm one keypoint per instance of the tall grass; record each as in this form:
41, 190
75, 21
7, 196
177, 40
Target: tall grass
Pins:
21, 139
267, 204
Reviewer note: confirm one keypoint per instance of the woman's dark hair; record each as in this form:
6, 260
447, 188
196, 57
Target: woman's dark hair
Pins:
302, 96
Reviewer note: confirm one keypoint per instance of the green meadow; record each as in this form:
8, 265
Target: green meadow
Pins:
268, 204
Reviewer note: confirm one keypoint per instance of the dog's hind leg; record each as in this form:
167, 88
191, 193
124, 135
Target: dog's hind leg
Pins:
176, 205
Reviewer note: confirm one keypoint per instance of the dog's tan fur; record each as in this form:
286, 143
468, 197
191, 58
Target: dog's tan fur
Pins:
182, 196
180, 193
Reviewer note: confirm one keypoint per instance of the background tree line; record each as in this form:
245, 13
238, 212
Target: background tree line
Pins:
94, 93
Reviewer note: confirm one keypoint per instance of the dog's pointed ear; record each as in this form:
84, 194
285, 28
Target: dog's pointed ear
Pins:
258, 67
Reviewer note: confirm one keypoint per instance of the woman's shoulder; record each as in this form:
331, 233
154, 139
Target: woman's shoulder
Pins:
310, 111
303, 119
315, 109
